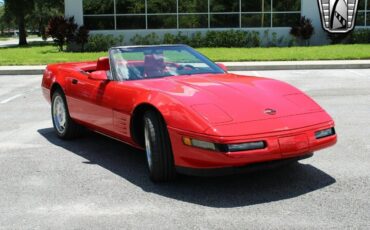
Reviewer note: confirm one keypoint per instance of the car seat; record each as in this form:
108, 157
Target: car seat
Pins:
103, 64
154, 65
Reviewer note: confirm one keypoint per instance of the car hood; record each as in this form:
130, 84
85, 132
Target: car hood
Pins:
229, 98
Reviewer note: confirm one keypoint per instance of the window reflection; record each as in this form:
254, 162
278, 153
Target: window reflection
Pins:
172, 14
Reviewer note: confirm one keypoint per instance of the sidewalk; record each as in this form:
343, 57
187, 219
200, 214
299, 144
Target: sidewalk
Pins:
14, 41
232, 66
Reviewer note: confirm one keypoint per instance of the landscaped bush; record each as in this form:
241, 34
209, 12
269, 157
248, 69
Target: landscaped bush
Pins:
339, 38
197, 40
100, 42
62, 30
180, 38
150, 39
360, 36
82, 37
303, 30
253, 39
230, 38
272, 40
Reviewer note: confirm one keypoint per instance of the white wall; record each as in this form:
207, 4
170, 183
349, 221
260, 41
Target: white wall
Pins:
74, 8
310, 9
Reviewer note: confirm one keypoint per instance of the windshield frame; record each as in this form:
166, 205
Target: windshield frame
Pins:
204, 59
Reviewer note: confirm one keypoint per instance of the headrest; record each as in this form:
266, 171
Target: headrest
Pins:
103, 64
155, 60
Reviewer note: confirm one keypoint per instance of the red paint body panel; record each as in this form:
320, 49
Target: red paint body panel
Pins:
220, 108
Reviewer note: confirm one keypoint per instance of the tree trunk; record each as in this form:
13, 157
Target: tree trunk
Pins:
22, 31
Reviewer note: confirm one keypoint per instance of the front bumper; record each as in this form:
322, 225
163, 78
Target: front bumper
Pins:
280, 145
241, 169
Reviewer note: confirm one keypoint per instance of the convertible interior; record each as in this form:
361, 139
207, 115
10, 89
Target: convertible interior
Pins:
151, 66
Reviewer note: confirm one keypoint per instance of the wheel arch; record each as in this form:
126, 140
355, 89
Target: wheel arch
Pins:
55, 87
136, 123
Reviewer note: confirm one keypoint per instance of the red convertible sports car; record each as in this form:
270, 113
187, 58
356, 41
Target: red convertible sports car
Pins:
189, 114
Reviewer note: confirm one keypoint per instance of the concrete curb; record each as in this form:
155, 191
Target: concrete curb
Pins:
232, 66
21, 70
298, 65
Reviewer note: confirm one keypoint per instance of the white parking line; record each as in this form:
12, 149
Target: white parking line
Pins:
11, 99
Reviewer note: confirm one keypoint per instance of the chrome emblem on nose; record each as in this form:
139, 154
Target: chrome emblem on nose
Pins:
338, 16
270, 111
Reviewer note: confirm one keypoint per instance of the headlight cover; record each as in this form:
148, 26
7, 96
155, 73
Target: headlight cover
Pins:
248, 146
325, 133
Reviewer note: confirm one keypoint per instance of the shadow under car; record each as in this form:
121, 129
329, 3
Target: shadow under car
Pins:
224, 192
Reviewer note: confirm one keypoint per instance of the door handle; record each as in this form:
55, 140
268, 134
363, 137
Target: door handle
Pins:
74, 81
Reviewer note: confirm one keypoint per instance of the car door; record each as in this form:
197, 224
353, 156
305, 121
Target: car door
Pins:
123, 106
90, 101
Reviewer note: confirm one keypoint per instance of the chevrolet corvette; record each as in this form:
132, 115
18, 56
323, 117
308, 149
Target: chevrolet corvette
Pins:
188, 113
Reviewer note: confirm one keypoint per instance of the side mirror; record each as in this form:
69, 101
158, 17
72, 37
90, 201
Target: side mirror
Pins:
222, 66
99, 75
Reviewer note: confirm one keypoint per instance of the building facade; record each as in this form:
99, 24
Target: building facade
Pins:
188, 16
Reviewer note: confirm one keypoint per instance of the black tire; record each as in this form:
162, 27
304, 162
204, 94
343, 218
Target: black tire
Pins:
160, 159
70, 129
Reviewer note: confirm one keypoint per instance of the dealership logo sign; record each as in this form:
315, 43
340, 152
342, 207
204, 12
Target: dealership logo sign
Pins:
338, 16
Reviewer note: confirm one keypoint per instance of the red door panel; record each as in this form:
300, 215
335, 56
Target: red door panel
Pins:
91, 101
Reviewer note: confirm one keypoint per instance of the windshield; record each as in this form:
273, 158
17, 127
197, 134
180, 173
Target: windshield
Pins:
135, 63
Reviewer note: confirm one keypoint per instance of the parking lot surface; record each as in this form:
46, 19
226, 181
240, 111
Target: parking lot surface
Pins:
98, 183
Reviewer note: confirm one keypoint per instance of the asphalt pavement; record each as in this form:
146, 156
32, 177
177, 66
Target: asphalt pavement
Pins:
98, 183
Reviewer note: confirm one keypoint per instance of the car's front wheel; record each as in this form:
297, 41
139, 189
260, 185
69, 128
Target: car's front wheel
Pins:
64, 126
158, 148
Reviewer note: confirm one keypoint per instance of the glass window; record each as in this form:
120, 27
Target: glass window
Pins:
224, 20
161, 6
193, 6
256, 20
360, 19
130, 6
162, 21
361, 4
368, 5
98, 7
193, 21
256, 5
285, 20
131, 22
99, 22
287, 5
368, 19
224, 5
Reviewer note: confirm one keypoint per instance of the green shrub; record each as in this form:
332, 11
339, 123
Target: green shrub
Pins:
230, 38
62, 30
169, 39
360, 36
197, 40
82, 37
253, 39
273, 40
150, 39
182, 39
100, 42
303, 30
339, 38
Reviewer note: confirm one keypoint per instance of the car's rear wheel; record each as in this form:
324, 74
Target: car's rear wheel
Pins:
64, 126
158, 148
